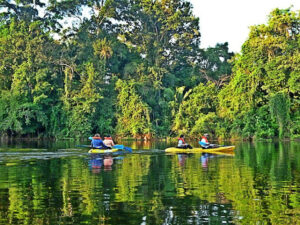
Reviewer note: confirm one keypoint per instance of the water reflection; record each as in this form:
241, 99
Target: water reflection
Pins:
204, 160
202, 213
95, 163
259, 185
181, 159
206, 157
107, 162
101, 161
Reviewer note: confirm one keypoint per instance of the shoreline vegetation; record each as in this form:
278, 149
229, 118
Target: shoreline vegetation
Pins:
154, 139
143, 75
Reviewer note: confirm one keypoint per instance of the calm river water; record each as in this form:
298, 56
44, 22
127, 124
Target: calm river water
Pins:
59, 183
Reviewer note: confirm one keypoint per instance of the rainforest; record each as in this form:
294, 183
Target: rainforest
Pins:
134, 68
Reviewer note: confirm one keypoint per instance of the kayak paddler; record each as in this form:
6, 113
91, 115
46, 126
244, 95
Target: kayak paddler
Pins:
108, 141
98, 143
204, 142
182, 144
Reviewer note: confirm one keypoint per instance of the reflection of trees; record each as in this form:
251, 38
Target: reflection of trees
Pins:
264, 188
130, 176
202, 213
26, 198
259, 184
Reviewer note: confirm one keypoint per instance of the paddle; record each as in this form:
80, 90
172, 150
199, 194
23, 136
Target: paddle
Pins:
119, 146
128, 149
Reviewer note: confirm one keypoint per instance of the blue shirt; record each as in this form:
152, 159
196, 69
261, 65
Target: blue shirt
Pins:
203, 143
98, 143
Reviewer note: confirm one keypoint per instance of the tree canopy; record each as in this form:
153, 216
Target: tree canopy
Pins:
135, 68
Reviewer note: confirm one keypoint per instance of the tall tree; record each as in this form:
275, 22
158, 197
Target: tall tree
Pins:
269, 64
166, 36
197, 111
133, 113
27, 77
215, 64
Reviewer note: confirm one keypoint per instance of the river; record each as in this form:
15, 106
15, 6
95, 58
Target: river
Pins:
46, 182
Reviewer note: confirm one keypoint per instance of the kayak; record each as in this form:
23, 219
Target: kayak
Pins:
200, 150
95, 150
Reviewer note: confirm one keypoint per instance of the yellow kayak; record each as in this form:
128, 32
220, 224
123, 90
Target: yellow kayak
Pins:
200, 150
94, 150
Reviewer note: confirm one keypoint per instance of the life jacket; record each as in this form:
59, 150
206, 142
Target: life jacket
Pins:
203, 137
181, 139
107, 138
97, 138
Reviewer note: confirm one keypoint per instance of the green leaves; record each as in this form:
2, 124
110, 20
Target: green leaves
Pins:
102, 48
135, 67
280, 109
267, 71
196, 113
133, 114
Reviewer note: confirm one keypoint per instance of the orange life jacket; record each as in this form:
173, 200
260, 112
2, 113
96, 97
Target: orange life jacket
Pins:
203, 137
181, 139
97, 138
107, 138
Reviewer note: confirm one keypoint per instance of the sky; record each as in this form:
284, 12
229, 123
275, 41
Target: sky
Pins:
229, 21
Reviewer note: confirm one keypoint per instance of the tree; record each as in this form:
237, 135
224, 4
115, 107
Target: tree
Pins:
280, 109
133, 114
269, 64
83, 104
166, 36
27, 77
215, 64
197, 113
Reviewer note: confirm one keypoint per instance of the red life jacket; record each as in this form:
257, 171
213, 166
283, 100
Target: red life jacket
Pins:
97, 138
181, 139
107, 138
203, 137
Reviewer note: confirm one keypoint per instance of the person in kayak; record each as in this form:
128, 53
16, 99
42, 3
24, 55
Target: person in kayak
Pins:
205, 144
98, 143
108, 141
182, 144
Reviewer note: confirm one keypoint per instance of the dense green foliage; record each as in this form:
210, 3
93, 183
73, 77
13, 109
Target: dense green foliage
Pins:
134, 67
265, 82
134, 116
